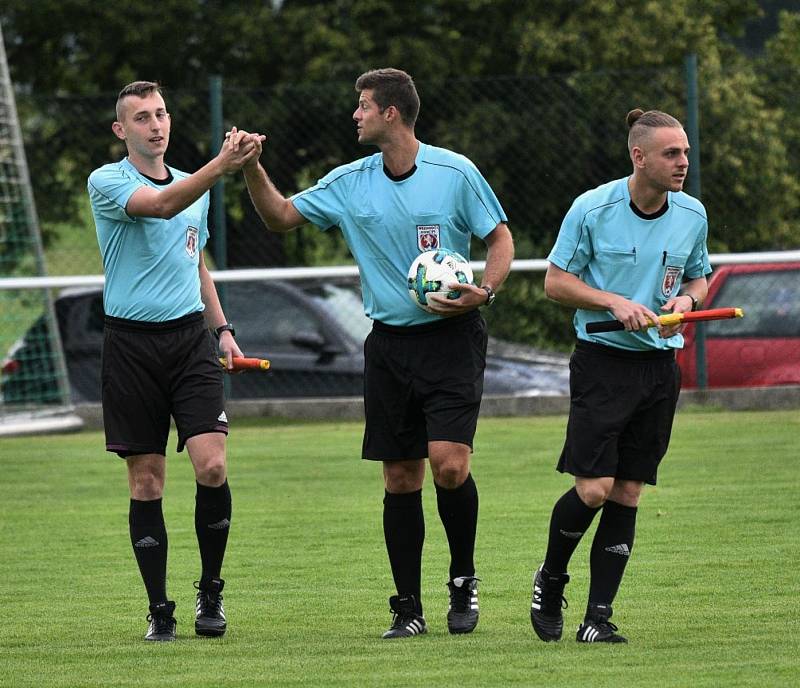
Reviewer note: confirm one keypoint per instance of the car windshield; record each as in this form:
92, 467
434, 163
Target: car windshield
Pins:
343, 302
770, 301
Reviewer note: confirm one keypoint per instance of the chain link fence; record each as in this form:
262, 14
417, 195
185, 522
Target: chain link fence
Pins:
540, 141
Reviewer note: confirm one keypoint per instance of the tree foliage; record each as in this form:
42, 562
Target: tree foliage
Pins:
534, 92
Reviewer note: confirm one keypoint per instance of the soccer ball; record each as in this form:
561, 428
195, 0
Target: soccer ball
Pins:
432, 272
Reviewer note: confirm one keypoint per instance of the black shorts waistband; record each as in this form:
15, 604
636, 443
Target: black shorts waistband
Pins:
628, 354
425, 328
189, 320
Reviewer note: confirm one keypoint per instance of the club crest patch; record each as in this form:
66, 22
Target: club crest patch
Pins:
672, 276
427, 237
191, 241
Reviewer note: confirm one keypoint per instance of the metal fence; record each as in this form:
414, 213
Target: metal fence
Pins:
540, 141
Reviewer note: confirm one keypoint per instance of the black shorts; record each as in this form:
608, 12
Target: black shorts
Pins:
621, 411
151, 371
422, 383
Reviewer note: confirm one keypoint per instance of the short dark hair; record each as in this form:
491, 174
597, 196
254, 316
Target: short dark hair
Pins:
392, 87
140, 89
640, 123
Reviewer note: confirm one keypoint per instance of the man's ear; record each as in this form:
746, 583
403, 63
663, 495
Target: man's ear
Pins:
118, 130
637, 156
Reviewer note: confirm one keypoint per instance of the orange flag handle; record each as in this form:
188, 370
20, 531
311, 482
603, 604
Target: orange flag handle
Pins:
669, 319
240, 363
693, 316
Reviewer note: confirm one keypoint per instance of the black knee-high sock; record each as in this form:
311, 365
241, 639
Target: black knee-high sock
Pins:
149, 540
458, 510
404, 531
212, 521
611, 549
570, 519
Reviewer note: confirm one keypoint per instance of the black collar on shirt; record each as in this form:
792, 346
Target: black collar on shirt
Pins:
399, 177
162, 182
652, 216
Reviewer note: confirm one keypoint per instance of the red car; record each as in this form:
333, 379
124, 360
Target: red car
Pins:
762, 348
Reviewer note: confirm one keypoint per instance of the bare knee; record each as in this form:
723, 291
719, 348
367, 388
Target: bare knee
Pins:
207, 452
449, 463
450, 474
626, 492
146, 475
594, 491
211, 472
402, 477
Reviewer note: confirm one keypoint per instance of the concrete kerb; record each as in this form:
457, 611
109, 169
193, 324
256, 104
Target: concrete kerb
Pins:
352, 408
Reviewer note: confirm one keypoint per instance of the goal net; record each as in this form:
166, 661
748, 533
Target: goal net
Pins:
34, 389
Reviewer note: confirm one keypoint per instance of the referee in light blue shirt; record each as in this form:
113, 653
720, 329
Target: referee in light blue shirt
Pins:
158, 357
423, 371
627, 250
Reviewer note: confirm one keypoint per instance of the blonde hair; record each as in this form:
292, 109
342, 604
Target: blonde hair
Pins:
641, 124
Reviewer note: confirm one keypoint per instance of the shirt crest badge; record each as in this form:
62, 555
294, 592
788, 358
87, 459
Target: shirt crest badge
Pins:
191, 241
427, 237
672, 277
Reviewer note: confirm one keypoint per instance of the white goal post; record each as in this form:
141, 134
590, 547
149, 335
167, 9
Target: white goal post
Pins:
49, 409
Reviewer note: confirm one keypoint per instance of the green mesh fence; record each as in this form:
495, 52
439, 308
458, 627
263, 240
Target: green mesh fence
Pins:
540, 141
33, 374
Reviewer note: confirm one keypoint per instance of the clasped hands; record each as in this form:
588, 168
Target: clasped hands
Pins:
241, 148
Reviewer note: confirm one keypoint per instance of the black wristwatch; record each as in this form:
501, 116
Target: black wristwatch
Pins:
490, 295
227, 327
694, 301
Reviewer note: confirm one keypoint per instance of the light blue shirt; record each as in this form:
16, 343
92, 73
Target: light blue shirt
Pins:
387, 223
151, 264
610, 247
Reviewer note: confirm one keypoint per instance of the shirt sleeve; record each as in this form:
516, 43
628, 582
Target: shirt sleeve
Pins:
478, 207
573, 248
324, 203
698, 264
110, 189
204, 230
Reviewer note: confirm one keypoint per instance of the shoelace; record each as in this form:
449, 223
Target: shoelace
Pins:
401, 617
161, 624
210, 602
460, 598
553, 598
605, 626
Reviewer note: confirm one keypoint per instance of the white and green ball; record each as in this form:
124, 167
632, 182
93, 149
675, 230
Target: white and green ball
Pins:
433, 271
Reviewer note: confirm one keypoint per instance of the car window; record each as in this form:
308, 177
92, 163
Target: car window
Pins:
343, 302
266, 319
81, 320
770, 301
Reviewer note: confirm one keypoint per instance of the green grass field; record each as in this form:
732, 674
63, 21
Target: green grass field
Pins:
710, 597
